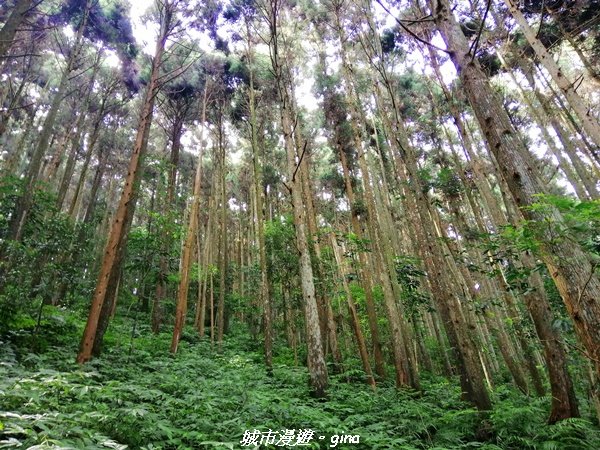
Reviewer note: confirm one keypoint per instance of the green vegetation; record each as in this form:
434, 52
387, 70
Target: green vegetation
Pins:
355, 224
138, 396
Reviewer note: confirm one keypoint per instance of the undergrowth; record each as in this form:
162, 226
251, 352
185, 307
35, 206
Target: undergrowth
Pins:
140, 397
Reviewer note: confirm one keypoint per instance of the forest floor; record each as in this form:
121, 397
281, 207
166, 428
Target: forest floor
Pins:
138, 396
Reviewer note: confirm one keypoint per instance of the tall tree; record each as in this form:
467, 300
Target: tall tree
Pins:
570, 268
24, 202
273, 14
190, 237
8, 31
168, 22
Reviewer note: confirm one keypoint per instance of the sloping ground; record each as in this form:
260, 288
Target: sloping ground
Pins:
205, 399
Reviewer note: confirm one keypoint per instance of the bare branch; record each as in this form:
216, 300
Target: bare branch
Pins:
473, 49
405, 28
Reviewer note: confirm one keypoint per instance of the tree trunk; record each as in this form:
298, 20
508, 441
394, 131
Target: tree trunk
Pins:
25, 200
567, 263
96, 182
588, 122
264, 290
223, 239
118, 233
323, 301
354, 320
70, 164
13, 162
316, 360
188, 246
84, 168
365, 272
11, 26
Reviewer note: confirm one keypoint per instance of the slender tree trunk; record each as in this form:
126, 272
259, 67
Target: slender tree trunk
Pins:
188, 246
86, 163
96, 182
567, 263
223, 235
205, 274
50, 168
25, 200
104, 318
70, 164
316, 360
14, 159
115, 280
364, 271
174, 161
118, 233
589, 66
201, 299
354, 320
11, 26
264, 290
212, 311
588, 122
330, 328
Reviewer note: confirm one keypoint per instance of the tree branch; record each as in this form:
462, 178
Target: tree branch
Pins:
473, 49
405, 28
299, 161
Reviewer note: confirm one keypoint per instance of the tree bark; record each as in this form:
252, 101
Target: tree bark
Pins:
588, 122
264, 290
568, 265
119, 229
316, 360
223, 239
11, 26
188, 246
354, 320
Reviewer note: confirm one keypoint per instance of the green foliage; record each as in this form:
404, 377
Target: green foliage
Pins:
409, 274
580, 220
359, 208
413, 90
448, 182
200, 399
520, 423
31, 268
282, 254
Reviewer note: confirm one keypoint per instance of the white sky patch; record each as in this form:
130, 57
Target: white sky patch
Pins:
111, 58
187, 138
234, 205
144, 32
447, 69
68, 31
305, 96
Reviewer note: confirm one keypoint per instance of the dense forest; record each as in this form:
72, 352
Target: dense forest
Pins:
356, 224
